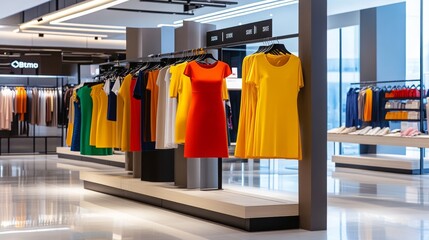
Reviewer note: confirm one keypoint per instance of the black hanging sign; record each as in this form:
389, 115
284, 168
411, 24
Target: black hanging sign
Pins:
246, 32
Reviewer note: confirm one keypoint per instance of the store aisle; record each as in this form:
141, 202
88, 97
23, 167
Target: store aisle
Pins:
41, 197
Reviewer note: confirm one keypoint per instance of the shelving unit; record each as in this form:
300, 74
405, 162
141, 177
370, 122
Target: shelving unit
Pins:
382, 162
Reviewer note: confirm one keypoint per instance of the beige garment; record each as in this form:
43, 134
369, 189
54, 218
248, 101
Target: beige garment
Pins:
6, 109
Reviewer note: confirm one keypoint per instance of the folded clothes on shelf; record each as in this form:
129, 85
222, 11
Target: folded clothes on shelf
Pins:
337, 130
383, 131
410, 132
362, 131
348, 130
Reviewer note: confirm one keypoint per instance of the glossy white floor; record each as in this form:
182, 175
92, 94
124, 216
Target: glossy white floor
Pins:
42, 198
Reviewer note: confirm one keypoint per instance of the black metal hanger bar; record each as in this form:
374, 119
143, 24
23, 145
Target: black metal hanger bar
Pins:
380, 82
198, 50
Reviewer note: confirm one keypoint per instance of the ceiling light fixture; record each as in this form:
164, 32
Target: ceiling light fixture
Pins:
73, 11
87, 25
64, 33
88, 11
79, 29
229, 10
248, 11
169, 25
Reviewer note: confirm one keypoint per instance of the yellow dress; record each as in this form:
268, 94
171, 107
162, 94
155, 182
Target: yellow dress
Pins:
95, 90
106, 129
246, 112
270, 124
71, 121
125, 95
181, 88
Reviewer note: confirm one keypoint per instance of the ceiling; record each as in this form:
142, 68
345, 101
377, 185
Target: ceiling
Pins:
133, 19
17, 6
143, 19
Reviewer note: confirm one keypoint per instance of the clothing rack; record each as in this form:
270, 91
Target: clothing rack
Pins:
381, 82
58, 85
198, 50
421, 109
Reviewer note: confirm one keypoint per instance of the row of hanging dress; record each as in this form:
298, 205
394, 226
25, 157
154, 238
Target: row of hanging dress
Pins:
155, 108
269, 121
87, 133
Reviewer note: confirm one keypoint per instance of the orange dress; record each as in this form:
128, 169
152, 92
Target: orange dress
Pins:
206, 134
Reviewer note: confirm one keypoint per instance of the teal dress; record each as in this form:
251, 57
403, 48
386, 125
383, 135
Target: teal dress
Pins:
84, 94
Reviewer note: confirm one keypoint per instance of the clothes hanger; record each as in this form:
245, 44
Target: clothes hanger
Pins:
278, 49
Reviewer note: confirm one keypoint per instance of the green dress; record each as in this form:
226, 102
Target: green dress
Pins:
84, 94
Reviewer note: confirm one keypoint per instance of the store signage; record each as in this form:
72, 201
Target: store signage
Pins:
242, 33
29, 65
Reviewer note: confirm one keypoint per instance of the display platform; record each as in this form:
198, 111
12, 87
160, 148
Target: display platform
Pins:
116, 160
381, 162
421, 141
244, 210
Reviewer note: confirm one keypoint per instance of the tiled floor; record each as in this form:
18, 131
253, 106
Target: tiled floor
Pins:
41, 197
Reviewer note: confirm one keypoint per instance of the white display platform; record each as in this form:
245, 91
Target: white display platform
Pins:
241, 209
381, 162
117, 160
421, 141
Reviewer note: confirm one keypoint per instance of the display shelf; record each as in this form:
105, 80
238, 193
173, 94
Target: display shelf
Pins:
421, 141
381, 162
244, 210
117, 160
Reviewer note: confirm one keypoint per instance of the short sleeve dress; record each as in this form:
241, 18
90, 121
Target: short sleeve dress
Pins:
206, 132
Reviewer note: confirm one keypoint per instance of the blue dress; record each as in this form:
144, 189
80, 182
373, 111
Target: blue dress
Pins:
75, 146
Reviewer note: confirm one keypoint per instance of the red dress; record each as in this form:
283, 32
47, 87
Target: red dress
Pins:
206, 134
135, 142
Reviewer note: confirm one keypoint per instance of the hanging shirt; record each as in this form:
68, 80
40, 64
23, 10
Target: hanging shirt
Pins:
153, 88
106, 129
135, 140
124, 94
367, 114
166, 113
180, 88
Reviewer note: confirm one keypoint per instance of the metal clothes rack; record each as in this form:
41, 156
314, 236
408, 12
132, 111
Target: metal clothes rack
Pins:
421, 110
382, 82
198, 50
219, 49
34, 137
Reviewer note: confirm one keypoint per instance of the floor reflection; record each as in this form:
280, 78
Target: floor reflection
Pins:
41, 197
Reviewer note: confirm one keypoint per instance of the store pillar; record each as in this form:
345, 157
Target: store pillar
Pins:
313, 114
142, 42
383, 53
192, 35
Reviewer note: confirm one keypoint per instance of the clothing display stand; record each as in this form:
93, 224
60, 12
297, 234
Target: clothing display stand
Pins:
59, 83
310, 211
129, 161
385, 163
137, 162
157, 165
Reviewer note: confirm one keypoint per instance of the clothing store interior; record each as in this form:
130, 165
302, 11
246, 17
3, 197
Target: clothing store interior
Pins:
214, 119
